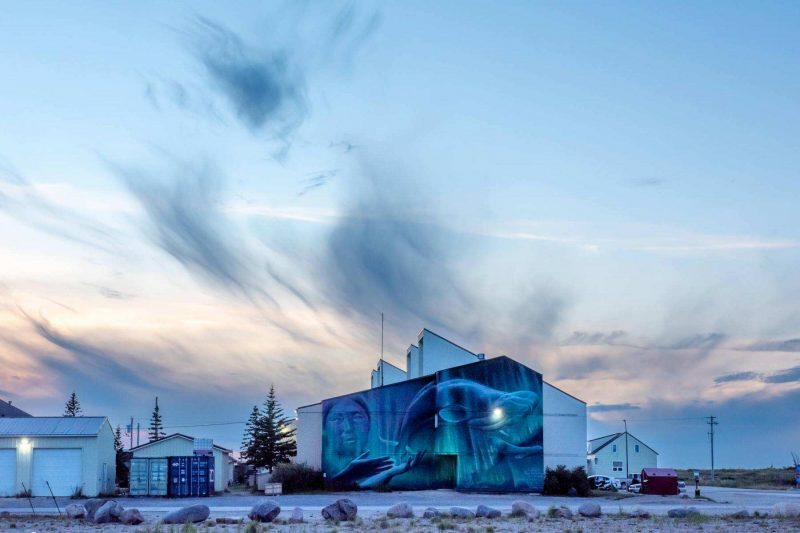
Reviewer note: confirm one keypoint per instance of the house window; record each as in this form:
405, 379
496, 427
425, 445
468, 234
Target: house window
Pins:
595, 460
617, 466
636, 448
614, 448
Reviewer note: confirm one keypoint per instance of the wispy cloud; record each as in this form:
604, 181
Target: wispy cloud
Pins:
25, 202
788, 345
738, 376
317, 180
182, 205
583, 338
612, 407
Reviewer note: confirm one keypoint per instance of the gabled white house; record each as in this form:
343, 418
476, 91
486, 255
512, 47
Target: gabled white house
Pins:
619, 455
177, 445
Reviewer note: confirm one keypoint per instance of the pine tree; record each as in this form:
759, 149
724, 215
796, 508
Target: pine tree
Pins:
156, 431
250, 435
274, 436
73, 406
119, 447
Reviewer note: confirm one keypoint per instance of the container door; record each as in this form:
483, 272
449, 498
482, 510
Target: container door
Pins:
158, 477
179, 477
138, 477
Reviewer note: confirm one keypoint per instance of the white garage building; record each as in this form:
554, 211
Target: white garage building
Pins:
66, 452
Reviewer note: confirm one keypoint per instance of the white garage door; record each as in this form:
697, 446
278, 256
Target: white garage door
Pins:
8, 472
60, 467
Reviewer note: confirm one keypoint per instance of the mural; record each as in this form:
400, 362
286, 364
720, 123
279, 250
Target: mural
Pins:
474, 427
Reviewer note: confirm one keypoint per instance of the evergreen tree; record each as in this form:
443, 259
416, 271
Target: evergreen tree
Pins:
274, 436
73, 406
250, 435
156, 431
122, 470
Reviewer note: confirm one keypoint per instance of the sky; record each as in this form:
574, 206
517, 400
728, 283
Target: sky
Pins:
199, 200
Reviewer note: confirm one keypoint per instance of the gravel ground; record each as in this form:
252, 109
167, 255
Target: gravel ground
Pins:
615, 523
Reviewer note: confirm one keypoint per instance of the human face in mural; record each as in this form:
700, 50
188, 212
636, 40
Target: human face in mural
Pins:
347, 426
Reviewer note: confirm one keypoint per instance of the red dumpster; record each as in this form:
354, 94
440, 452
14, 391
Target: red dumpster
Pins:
663, 481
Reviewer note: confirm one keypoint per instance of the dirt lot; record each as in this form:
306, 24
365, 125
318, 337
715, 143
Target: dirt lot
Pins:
614, 523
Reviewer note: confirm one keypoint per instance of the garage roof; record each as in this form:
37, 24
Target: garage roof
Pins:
55, 426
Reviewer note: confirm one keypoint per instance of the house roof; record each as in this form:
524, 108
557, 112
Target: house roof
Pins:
9, 411
52, 426
615, 436
175, 435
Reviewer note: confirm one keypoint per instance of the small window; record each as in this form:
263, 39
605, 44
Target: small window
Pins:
636, 448
595, 460
614, 448
617, 466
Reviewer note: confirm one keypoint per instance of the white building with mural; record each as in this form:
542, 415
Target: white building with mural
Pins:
563, 434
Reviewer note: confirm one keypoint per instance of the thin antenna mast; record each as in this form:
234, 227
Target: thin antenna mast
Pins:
381, 349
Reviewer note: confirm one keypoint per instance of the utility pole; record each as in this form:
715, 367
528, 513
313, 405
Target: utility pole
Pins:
381, 349
627, 474
138, 432
131, 430
711, 423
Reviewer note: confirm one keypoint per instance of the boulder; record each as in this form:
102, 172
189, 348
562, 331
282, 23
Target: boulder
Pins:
461, 512
739, 515
400, 510
192, 513
107, 513
682, 512
563, 512
431, 512
341, 509
589, 510
131, 517
75, 510
484, 511
521, 508
786, 509
297, 516
92, 505
639, 512
265, 512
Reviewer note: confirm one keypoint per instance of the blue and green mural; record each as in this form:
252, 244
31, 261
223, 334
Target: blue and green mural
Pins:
473, 427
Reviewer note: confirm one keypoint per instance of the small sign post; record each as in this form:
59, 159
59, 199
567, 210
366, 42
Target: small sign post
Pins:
696, 483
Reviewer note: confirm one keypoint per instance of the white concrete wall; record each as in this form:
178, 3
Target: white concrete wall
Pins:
309, 435
437, 353
413, 368
106, 455
644, 458
90, 472
390, 374
179, 447
564, 428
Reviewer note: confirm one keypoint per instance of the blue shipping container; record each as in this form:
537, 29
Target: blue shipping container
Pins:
191, 476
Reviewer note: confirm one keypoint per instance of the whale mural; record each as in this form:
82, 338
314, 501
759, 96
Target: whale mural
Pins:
473, 427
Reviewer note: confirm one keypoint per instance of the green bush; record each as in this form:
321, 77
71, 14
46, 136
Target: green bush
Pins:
558, 482
297, 477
